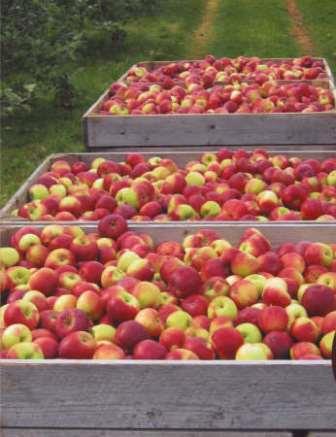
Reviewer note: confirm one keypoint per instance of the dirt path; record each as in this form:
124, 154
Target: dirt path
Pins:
204, 32
299, 31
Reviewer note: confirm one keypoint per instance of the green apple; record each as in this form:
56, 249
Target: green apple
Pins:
19, 275
185, 212
96, 162
294, 310
58, 190
331, 178
103, 331
250, 332
16, 333
253, 352
127, 196
210, 208
222, 306
28, 240
126, 259
38, 192
25, 351
255, 186
148, 294
179, 319
9, 256
194, 178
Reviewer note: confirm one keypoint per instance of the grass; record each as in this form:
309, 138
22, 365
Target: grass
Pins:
252, 27
28, 139
320, 18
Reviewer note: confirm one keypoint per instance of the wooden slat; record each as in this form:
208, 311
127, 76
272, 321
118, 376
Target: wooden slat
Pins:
210, 129
119, 433
181, 157
167, 395
275, 232
322, 434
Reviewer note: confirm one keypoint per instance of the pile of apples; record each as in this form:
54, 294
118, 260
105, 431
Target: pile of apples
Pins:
225, 86
114, 294
223, 185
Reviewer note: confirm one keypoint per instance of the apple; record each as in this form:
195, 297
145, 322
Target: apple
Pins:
226, 342
303, 349
22, 312
112, 226
48, 346
318, 300
318, 253
329, 322
64, 302
91, 304
149, 350
18, 275
25, 351
84, 248
77, 345
250, 332
184, 281
304, 329
222, 306
37, 298
273, 318
129, 334
181, 354
149, 318
15, 333
103, 332
124, 306
279, 342
244, 264
37, 254
59, 257
200, 347
295, 311
9, 256
326, 344
179, 319
172, 338
71, 320
254, 352
275, 292
244, 293
109, 351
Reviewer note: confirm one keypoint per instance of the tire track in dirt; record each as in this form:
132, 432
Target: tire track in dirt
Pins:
299, 31
204, 32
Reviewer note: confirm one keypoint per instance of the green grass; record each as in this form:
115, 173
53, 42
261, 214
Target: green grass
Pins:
28, 139
319, 19
252, 27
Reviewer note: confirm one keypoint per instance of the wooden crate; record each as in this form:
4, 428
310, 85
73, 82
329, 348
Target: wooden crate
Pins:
180, 156
103, 131
157, 395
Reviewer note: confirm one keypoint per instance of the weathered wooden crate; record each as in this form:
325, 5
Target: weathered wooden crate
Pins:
104, 131
169, 395
180, 156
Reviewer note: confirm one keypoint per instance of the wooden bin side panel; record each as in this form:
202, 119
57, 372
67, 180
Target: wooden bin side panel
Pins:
210, 129
206, 395
276, 233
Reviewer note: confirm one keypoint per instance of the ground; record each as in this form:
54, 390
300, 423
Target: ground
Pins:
182, 29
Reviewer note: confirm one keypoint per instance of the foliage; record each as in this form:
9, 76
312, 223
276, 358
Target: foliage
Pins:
42, 42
